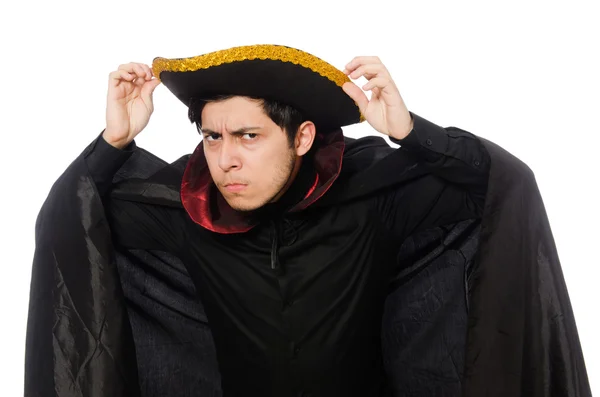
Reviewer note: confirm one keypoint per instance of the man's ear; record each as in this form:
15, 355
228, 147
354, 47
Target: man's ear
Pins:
305, 138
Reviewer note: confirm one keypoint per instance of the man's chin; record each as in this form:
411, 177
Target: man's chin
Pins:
241, 205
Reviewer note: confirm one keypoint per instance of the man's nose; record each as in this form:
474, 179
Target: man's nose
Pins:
229, 156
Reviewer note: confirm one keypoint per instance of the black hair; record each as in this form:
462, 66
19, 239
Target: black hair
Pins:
285, 116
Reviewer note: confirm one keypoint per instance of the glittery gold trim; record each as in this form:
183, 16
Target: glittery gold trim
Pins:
251, 52
261, 51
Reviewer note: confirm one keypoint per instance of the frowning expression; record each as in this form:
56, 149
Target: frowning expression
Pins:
249, 157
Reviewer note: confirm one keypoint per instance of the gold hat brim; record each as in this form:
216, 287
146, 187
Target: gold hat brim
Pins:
268, 71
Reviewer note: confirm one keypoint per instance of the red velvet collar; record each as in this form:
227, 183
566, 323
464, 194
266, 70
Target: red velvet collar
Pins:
207, 207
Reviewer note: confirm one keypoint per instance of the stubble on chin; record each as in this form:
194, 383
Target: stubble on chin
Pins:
238, 205
280, 181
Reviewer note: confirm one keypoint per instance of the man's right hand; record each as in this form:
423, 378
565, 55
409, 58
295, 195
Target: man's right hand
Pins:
129, 103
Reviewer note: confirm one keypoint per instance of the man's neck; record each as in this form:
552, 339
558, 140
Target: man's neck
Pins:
290, 181
300, 181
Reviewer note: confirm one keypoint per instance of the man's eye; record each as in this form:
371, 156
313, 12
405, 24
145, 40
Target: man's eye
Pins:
213, 137
249, 136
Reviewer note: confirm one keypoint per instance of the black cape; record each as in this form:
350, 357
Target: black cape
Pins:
501, 313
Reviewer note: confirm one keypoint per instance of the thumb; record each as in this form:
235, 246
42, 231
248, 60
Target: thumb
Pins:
148, 89
357, 95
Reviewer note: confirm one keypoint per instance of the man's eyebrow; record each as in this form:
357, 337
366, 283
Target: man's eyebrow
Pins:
240, 131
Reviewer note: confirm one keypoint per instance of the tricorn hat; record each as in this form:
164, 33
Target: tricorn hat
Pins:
274, 72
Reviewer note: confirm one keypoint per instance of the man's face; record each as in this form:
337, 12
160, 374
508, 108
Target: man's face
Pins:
248, 155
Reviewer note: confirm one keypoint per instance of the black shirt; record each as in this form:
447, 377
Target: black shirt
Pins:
295, 304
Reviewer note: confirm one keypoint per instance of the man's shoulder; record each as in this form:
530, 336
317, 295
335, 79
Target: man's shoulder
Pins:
145, 165
362, 153
361, 176
147, 178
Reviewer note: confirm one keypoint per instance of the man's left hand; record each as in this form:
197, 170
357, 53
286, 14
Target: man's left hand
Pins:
386, 111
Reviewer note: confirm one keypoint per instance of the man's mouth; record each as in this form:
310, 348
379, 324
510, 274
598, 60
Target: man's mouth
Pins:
235, 187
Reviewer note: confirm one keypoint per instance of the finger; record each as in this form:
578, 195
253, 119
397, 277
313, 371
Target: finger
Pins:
359, 61
377, 82
147, 70
133, 68
128, 67
383, 86
357, 95
369, 71
147, 91
140, 81
119, 75
140, 71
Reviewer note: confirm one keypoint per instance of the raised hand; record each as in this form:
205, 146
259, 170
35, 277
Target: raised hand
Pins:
129, 103
386, 111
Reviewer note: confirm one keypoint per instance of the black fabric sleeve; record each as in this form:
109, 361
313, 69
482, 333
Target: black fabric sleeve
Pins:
454, 186
104, 160
137, 225
133, 224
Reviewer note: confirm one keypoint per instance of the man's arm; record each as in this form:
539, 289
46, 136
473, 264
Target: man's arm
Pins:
132, 224
456, 163
104, 160
455, 184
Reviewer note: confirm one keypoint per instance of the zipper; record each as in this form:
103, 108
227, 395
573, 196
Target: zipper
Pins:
275, 236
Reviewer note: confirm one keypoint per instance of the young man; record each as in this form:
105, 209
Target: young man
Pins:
291, 235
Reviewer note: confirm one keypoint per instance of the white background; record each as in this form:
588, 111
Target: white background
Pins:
525, 75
